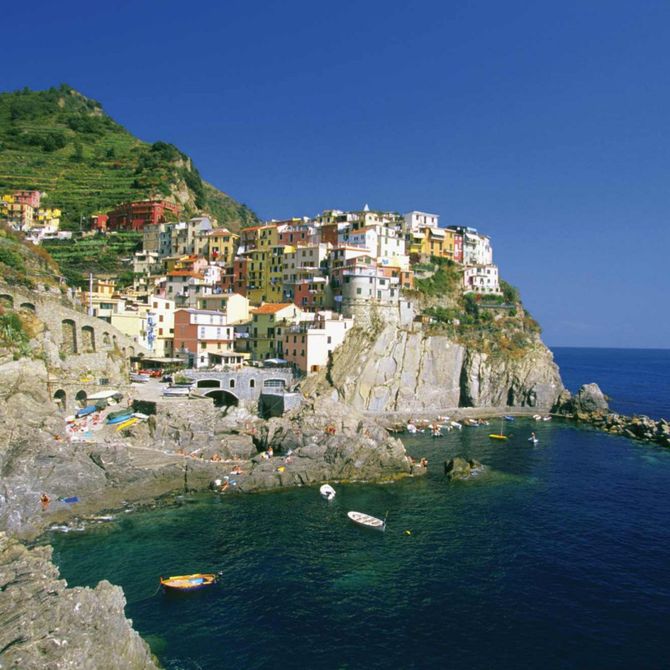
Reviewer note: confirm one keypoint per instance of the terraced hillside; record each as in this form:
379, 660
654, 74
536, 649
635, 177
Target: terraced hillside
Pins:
62, 143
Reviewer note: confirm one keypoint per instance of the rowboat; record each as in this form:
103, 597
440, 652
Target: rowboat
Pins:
327, 492
367, 520
501, 435
188, 582
127, 424
177, 391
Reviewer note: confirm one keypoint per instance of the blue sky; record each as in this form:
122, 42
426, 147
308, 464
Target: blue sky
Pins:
542, 124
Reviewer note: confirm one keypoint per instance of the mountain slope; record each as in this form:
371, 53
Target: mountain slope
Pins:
63, 143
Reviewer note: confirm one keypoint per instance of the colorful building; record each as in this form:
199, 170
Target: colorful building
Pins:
268, 323
137, 215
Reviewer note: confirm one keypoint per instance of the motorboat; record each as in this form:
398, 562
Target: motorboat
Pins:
327, 492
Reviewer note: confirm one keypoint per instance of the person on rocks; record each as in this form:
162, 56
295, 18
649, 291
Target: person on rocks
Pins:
44, 501
423, 462
237, 470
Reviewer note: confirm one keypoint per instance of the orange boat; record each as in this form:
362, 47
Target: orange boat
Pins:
188, 582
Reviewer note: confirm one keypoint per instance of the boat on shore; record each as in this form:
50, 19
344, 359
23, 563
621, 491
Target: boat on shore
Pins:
367, 521
119, 416
188, 582
327, 492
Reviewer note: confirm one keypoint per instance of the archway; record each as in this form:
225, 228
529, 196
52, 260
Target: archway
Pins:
223, 398
81, 398
28, 306
131, 352
60, 398
87, 340
69, 334
7, 301
106, 340
208, 384
274, 383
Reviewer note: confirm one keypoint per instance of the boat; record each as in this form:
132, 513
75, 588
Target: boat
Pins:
85, 411
141, 379
501, 435
177, 391
507, 417
120, 416
188, 582
546, 418
127, 424
327, 492
537, 417
367, 520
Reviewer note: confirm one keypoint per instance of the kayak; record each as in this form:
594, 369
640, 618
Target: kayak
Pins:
367, 520
495, 436
188, 582
127, 424
85, 411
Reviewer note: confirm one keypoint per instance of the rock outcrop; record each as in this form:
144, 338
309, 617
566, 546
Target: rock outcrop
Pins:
461, 469
589, 398
44, 625
404, 368
325, 441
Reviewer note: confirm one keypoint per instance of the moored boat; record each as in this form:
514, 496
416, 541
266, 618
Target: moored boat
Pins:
120, 416
188, 582
127, 424
327, 492
367, 520
85, 411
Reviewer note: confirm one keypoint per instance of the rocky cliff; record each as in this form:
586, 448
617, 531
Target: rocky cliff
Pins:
44, 625
394, 363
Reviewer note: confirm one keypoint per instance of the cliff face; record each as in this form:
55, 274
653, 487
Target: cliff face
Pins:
44, 624
390, 363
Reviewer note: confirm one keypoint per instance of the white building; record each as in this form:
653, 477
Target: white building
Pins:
481, 279
477, 248
416, 220
160, 326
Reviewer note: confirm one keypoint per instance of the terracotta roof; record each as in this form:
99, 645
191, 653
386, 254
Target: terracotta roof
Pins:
272, 307
220, 232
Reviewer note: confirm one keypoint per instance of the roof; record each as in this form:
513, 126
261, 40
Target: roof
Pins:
272, 307
220, 232
185, 273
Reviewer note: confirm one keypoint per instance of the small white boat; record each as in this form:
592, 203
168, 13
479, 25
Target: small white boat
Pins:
537, 417
367, 520
546, 418
455, 424
327, 492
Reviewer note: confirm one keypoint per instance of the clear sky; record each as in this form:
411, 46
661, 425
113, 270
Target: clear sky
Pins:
543, 124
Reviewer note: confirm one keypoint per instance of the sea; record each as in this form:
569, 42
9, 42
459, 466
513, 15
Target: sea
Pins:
556, 556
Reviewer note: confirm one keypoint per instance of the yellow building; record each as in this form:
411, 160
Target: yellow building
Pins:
223, 245
268, 325
233, 305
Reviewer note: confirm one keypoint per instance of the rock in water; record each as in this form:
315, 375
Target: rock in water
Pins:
44, 624
460, 469
590, 398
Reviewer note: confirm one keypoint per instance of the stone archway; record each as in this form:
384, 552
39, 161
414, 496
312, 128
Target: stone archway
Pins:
208, 384
223, 398
87, 340
81, 398
28, 307
69, 335
7, 300
60, 398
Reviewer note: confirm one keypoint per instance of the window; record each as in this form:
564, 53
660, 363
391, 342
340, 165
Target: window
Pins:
358, 291
231, 384
330, 339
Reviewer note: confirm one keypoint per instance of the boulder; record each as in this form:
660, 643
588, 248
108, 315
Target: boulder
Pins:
590, 398
460, 469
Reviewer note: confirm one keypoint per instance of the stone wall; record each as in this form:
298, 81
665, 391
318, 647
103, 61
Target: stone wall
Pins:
246, 384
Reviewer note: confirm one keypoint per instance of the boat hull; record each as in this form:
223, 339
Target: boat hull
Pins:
367, 521
183, 583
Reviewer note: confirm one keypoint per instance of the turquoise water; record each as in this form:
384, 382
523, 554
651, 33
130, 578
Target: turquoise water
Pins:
556, 558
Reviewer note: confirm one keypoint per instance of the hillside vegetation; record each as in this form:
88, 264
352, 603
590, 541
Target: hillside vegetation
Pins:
24, 264
493, 324
60, 142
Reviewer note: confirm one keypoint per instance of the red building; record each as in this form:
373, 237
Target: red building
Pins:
234, 278
31, 198
136, 215
99, 222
